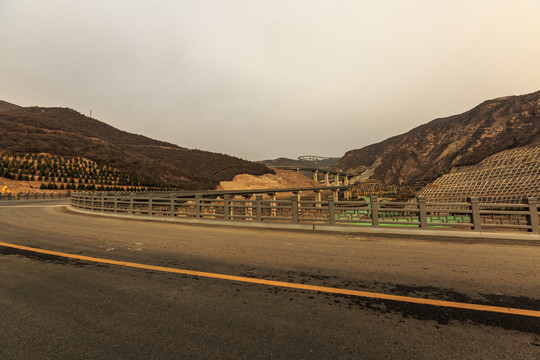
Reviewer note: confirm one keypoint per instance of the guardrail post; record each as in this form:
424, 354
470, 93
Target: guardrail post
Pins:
273, 205
294, 208
532, 218
172, 207
226, 207
197, 206
258, 202
248, 210
475, 213
150, 206
331, 210
374, 210
131, 203
422, 212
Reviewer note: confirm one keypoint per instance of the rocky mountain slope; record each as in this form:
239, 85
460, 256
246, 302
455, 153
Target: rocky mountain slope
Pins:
65, 132
433, 149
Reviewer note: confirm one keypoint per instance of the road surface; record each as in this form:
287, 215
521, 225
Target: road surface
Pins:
58, 307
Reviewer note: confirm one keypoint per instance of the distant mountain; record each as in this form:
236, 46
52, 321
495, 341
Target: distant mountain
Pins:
433, 149
65, 132
5, 106
319, 164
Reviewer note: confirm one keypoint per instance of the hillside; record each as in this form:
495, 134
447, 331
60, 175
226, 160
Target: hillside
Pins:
43, 172
65, 132
433, 149
8, 106
508, 176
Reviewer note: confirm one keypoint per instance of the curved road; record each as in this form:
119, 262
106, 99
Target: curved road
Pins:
57, 307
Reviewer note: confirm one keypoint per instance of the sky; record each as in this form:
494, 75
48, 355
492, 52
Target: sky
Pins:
261, 79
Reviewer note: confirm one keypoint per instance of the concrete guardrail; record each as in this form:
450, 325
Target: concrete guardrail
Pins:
419, 214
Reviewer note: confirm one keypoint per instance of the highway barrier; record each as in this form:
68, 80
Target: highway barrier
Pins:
471, 215
34, 196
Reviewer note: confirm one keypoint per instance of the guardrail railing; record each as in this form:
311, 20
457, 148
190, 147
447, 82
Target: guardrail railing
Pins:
34, 196
471, 215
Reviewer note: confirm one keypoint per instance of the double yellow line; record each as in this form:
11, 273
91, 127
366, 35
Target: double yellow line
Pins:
450, 304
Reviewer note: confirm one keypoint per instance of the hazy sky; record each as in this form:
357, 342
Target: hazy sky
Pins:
260, 79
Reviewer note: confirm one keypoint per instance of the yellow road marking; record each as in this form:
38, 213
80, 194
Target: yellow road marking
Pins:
443, 303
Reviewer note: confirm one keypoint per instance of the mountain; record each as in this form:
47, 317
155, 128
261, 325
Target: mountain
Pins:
8, 106
65, 132
433, 149
285, 162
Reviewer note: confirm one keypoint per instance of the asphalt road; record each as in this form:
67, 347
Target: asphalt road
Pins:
53, 307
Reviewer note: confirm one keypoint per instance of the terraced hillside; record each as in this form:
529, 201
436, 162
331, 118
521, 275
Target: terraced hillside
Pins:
508, 176
53, 172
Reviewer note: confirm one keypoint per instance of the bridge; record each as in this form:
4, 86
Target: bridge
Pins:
338, 177
313, 158
74, 285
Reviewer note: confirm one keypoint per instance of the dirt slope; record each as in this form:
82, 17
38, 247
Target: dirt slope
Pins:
281, 180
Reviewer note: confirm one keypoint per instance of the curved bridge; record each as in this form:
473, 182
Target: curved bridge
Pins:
338, 177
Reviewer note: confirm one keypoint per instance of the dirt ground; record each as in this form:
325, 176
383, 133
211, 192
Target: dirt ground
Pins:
8, 186
281, 180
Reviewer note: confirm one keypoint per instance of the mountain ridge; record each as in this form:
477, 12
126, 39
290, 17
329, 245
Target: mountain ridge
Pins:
432, 149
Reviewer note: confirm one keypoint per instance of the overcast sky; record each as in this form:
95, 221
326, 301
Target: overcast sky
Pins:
261, 79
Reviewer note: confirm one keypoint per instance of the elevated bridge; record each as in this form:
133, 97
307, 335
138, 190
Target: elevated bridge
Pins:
313, 158
323, 175
344, 192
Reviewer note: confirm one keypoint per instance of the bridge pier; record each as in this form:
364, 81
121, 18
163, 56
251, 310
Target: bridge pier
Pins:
316, 175
318, 197
327, 178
